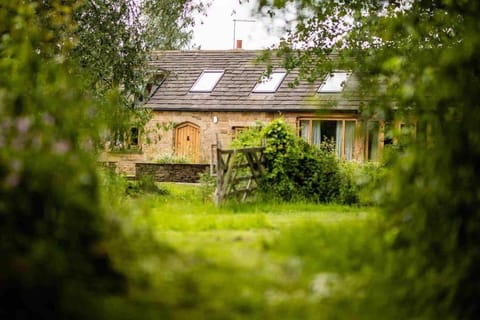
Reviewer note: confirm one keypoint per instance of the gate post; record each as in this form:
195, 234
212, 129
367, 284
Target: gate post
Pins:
220, 168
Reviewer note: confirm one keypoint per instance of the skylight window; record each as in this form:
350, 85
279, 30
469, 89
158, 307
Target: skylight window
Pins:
207, 81
334, 82
270, 84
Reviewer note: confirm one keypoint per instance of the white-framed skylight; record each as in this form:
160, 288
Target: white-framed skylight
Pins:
207, 81
270, 84
334, 82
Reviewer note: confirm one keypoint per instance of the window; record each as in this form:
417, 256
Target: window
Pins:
388, 133
398, 133
339, 134
237, 130
134, 136
333, 83
270, 84
372, 143
207, 81
125, 140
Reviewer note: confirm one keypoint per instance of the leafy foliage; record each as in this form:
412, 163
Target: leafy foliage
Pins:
419, 58
68, 68
172, 158
361, 182
112, 41
249, 137
109, 47
208, 184
294, 169
146, 184
50, 215
175, 21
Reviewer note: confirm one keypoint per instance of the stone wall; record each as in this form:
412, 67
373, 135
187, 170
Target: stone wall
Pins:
160, 130
171, 172
122, 163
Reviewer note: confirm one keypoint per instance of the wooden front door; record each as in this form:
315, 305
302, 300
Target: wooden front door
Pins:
187, 141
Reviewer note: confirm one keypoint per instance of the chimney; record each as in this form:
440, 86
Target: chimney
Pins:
239, 44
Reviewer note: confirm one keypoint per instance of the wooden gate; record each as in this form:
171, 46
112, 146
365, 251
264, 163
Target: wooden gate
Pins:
187, 141
238, 172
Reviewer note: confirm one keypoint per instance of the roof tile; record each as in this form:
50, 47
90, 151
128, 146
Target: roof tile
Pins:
234, 90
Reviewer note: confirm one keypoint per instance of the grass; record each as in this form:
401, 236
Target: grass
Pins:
188, 259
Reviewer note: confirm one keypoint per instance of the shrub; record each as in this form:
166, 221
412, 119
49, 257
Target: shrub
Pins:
349, 186
146, 184
249, 137
296, 170
208, 184
172, 159
360, 182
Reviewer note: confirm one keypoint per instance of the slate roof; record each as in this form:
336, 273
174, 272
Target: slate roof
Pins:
234, 90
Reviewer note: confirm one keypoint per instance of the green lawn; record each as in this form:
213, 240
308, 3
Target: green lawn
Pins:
187, 259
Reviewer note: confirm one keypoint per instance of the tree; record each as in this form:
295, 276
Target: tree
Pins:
169, 23
421, 59
113, 41
113, 38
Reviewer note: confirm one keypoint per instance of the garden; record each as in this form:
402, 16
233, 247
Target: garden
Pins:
187, 258
296, 249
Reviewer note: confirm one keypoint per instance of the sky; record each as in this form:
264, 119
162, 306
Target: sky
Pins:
216, 30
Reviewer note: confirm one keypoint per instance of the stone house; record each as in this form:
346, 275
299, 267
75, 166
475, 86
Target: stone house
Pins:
205, 97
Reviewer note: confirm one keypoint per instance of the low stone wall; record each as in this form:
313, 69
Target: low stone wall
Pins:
123, 163
164, 172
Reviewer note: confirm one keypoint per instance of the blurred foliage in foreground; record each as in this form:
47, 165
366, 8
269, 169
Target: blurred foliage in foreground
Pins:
53, 262
416, 61
424, 264
69, 70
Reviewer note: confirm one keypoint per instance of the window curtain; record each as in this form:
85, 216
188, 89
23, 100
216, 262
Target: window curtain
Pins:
349, 139
338, 139
316, 132
304, 130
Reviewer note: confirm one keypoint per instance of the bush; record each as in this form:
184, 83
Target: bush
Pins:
360, 182
208, 184
173, 159
250, 137
146, 184
349, 187
296, 170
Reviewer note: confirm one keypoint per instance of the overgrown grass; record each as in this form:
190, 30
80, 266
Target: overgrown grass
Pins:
186, 258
